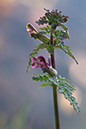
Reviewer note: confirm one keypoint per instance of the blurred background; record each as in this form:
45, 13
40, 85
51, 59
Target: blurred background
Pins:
23, 105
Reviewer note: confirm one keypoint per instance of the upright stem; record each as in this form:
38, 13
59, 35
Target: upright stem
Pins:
54, 89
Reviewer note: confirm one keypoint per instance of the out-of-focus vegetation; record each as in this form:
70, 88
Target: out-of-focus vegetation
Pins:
20, 119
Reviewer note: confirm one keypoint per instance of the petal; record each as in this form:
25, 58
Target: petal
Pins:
29, 30
42, 65
42, 59
34, 66
33, 59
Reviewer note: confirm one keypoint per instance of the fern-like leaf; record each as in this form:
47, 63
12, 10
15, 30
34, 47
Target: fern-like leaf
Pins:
40, 77
64, 87
66, 50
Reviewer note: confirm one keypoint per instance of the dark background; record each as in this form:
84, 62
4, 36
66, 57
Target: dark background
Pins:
23, 105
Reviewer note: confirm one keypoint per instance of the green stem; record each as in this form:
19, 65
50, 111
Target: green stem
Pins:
54, 89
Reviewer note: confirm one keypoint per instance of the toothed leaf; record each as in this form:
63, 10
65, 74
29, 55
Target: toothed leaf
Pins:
64, 87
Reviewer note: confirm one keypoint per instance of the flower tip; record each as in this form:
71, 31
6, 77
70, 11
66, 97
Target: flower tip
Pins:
29, 26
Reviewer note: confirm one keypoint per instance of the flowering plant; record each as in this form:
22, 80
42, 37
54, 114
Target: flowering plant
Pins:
53, 19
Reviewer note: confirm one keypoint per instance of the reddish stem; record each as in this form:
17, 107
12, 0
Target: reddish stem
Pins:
54, 89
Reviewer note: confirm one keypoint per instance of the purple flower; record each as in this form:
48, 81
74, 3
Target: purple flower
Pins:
39, 62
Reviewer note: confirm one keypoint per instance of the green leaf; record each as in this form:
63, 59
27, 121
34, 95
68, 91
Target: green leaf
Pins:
45, 30
66, 82
44, 84
36, 49
42, 20
50, 48
64, 87
40, 77
66, 50
65, 28
61, 35
29, 63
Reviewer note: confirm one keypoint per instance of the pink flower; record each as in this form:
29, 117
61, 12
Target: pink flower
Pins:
39, 62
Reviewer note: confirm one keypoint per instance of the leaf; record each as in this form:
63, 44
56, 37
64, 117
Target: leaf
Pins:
64, 86
45, 30
61, 35
44, 84
65, 28
40, 77
65, 89
42, 21
66, 50
29, 63
36, 49
67, 82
